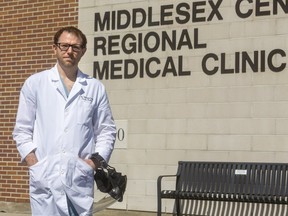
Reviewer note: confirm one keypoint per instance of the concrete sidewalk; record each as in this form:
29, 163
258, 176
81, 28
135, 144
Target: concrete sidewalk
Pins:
102, 213
23, 209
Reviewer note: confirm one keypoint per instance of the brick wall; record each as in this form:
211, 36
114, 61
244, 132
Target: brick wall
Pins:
26, 36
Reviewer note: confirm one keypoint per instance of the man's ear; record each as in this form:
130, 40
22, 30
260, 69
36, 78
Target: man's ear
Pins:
54, 48
84, 51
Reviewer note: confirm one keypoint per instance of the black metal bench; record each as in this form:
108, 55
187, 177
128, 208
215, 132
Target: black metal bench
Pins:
226, 182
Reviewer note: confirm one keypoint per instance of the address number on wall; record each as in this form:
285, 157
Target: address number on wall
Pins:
122, 135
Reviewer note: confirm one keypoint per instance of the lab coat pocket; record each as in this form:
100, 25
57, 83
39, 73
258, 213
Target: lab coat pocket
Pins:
84, 111
38, 177
82, 179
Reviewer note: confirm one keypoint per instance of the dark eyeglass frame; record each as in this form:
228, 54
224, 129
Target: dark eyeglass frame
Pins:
66, 46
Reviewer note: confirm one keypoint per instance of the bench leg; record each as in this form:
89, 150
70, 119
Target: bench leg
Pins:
159, 207
177, 205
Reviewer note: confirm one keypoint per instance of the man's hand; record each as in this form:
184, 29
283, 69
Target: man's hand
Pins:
31, 159
90, 163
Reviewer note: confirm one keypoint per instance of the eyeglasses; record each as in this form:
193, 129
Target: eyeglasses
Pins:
65, 47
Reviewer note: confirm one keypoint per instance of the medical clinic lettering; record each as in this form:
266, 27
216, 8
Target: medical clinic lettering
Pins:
169, 40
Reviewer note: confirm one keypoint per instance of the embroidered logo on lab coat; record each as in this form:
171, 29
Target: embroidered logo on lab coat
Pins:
87, 99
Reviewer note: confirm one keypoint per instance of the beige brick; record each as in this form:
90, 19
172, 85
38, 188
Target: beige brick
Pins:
281, 157
264, 28
280, 93
147, 141
137, 187
245, 156
208, 126
167, 96
146, 111
151, 188
140, 203
229, 142
252, 126
198, 155
271, 109
270, 143
186, 110
281, 27
228, 110
137, 156
126, 96
186, 141
281, 126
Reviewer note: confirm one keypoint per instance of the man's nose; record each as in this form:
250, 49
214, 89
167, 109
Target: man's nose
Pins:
70, 49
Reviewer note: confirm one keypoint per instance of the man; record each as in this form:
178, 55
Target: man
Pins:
63, 118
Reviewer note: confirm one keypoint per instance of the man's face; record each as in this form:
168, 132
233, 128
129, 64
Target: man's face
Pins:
69, 50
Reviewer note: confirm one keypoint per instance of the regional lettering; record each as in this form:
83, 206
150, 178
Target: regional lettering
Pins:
260, 7
259, 61
131, 68
182, 13
149, 42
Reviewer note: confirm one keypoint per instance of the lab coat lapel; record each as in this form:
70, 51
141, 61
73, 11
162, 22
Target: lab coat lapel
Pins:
56, 82
77, 88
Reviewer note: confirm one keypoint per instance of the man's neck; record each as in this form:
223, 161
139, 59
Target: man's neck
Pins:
68, 77
68, 73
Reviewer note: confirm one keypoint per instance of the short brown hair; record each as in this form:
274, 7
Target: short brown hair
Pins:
73, 30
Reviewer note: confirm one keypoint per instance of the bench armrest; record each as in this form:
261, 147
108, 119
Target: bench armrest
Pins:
159, 181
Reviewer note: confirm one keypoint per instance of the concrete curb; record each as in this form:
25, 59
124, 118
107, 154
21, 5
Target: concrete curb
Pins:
23, 209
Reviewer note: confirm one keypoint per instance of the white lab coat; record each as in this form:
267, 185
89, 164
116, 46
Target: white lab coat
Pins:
63, 131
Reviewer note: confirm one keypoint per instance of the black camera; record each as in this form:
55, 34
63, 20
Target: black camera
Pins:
108, 180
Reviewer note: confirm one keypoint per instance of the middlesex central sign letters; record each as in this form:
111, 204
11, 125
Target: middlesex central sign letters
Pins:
176, 38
